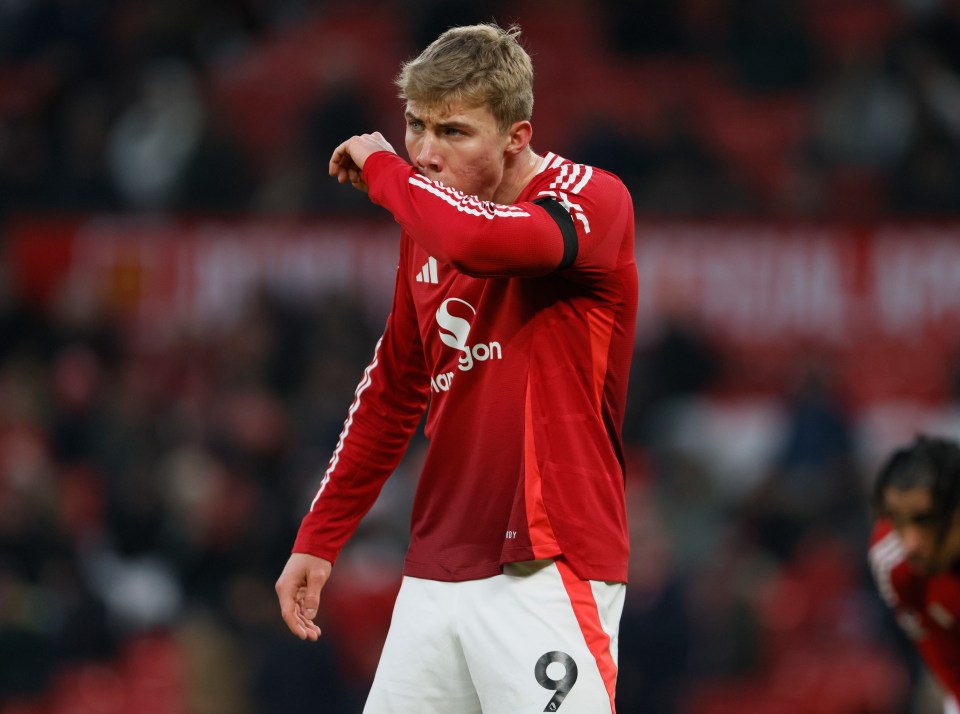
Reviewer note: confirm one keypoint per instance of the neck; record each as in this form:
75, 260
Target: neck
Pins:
516, 175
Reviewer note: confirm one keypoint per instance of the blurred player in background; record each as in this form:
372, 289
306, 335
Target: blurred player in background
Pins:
513, 319
915, 552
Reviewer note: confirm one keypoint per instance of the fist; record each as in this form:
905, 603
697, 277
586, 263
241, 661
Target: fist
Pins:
346, 163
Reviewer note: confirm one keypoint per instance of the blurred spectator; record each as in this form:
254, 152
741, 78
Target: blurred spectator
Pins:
687, 177
164, 153
635, 28
771, 47
865, 115
430, 18
219, 175
24, 161
80, 180
343, 113
814, 485
629, 156
679, 363
927, 180
655, 629
105, 106
723, 594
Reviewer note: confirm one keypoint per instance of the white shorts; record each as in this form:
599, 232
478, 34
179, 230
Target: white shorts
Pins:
534, 639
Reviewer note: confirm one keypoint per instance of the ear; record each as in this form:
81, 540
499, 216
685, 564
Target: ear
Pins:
518, 137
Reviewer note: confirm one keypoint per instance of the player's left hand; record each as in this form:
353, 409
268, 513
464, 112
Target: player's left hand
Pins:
346, 163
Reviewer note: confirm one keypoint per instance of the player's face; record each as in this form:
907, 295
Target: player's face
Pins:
460, 146
913, 516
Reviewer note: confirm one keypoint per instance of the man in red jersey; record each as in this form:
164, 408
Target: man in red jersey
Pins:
513, 319
915, 552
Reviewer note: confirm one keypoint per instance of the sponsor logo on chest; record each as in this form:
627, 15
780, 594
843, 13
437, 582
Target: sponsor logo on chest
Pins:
454, 320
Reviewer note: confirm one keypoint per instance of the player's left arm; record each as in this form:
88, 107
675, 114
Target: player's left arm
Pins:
576, 220
347, 160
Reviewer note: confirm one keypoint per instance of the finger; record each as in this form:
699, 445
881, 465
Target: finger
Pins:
345, 170
301, 626
340, 170
311, 631
356, 179
289, 611
339, 158
334, 168
306, 624
310, 597
307, 630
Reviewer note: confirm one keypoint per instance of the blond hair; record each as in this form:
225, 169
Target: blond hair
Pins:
480, 65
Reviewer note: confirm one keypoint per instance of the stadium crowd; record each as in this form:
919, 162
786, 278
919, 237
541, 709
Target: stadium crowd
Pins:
148, 497
705, 107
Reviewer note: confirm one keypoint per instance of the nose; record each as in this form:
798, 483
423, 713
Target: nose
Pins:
913, 543
427, 157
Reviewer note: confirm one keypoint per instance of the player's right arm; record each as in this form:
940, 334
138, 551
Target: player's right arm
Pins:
387, 407
298, 589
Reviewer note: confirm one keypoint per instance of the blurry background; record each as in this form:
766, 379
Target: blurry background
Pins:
187, 302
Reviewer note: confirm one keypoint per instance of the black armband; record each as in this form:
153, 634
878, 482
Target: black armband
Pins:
568, 230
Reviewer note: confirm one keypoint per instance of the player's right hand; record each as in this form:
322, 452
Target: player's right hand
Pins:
298, 590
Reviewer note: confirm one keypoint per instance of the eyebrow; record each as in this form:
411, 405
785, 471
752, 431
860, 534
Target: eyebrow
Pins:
451, 124
917, 517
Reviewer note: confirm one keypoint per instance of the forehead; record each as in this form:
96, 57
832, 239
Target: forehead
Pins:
455, 112
907, 501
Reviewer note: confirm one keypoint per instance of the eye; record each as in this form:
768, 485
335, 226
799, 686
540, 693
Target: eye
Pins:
452, 131
415, 124
925, 520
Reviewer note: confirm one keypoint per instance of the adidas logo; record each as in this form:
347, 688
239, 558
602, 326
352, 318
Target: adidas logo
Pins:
428, 273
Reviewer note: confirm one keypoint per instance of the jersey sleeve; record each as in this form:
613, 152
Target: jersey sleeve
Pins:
486, 239
885, 557
940, 649
387, 407
600, 209
927, 610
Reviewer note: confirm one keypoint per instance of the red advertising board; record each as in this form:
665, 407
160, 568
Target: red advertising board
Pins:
879, 304
163, 274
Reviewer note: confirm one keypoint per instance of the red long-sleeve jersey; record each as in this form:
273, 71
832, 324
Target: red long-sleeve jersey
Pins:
519, 335
927, 608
